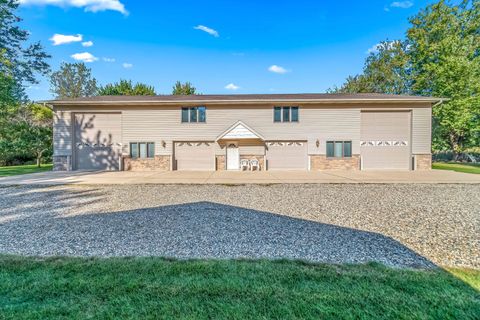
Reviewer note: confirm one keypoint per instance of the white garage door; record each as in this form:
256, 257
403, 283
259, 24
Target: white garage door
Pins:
195, 156
287, 155
97, 141
385, 140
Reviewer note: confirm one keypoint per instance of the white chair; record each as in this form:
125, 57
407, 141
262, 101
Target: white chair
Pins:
254, 164
244, 164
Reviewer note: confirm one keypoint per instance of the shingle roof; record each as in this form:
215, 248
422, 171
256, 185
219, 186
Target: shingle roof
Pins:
301, 97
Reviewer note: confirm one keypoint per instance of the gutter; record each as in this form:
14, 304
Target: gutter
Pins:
213, 102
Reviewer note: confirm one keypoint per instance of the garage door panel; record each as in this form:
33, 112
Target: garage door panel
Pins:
195, 156
385, 140
385, 158
288, 155
97, 141
98, 158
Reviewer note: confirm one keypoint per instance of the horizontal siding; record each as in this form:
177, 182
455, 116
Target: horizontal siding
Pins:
162, 124
422, 131
62, 133
314, 124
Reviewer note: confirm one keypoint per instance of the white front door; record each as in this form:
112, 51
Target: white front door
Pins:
233, 157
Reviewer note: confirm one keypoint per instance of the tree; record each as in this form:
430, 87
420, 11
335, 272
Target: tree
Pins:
20, 64
73, 80
28, 134
440, 57
385, 71
25, 61
444, 45
183, 88
126, 88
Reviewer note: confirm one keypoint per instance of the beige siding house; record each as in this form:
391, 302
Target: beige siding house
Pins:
243, 132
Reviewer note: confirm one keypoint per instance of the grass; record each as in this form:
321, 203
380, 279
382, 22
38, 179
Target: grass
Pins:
459, 167
78, 288
16, 170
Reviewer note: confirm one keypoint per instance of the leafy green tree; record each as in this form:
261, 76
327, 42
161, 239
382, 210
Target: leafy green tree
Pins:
444, 45
25, 61
27, 135
73, 80
20, 64
441, 58
385, 71
183, 88
126, 88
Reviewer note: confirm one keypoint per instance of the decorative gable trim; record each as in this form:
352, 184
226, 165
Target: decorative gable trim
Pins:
239, 130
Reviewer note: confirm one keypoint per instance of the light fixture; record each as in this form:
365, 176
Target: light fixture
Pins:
317, 143
164, 144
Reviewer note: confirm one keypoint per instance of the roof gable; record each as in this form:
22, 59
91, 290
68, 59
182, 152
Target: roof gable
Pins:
239, 131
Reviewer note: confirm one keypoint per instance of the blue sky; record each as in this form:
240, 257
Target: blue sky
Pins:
220, 46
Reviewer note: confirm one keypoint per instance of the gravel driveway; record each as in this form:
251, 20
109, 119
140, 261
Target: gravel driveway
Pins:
399, 225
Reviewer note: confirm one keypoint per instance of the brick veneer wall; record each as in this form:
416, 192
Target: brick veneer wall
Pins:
160, 163
423, 161
220, 163
321, 162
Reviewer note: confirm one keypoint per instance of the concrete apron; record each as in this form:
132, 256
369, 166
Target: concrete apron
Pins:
237, 177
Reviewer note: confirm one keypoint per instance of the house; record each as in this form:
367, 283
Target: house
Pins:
214, 132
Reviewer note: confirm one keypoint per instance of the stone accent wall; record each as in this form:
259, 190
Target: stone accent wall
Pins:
159, 163
61, 163
261, 159
220, 163
321, 162
423, 161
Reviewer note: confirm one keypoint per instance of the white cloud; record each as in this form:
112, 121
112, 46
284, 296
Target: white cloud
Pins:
84, 56
207, 30
277, 69
401, 4
59, 39
376, 47
373, 49
87, 43
232, 86
89, 5
108, 59
127, 65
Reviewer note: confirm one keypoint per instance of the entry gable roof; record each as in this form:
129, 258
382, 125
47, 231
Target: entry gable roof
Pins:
239, 130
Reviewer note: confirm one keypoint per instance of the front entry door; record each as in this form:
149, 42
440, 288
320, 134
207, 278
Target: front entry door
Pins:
233, 157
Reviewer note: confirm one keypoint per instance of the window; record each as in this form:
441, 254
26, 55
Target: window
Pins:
142, 150
150, 150
134, 150
277, 114
285, 114
294, 117
339, 149
185, 116
194, 114
202, 114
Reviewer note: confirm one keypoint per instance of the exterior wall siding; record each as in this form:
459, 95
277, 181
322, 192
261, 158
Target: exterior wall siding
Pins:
162, 125
62, 133
422, 131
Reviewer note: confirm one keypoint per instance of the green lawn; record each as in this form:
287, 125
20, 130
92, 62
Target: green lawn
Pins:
460, 167
157, 288
15, 170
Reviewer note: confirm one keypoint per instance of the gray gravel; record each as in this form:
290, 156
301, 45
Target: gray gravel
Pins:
398, 225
